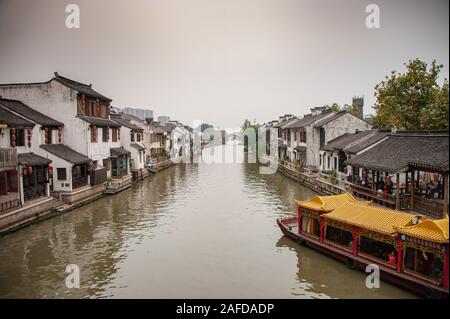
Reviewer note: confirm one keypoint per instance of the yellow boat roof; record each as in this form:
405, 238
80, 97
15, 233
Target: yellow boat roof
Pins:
326, 203
429, 230
374, 218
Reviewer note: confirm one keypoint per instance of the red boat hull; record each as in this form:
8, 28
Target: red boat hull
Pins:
413, 284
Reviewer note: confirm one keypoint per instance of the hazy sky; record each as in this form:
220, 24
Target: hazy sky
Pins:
221, 61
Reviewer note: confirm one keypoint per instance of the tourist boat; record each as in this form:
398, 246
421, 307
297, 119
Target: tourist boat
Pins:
410, 250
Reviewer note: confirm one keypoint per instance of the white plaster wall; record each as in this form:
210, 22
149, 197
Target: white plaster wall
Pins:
59, 185
344, 124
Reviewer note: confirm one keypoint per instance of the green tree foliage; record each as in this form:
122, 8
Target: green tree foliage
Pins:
352, 109
205, 126
412, 100
245, 125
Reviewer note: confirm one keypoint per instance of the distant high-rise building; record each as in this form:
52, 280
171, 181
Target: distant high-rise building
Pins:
359, 102
139, 113
163, 119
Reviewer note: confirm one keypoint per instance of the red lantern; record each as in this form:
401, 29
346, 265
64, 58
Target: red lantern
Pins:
25, 171
30, 170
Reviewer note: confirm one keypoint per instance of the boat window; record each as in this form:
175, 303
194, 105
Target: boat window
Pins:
384, 251
424, 262
339, 236
310, 226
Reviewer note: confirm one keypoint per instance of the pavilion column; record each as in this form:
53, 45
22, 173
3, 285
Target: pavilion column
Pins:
399, 254
353, 175
397, 192
321, 229
446, 267
299, 219
412, 190
373, 181
445, 194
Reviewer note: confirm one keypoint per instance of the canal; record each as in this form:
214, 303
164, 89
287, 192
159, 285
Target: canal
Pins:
190, 231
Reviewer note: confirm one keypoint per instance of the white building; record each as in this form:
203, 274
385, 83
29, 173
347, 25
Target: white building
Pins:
305, 136
132, 139
87, 127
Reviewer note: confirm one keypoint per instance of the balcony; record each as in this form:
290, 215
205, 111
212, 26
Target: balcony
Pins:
431, 207
8, 158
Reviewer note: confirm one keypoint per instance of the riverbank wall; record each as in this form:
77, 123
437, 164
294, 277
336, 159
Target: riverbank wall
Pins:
52, 206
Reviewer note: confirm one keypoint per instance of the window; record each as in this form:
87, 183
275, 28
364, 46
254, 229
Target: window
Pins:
339, 236
335, 163
93, 134
79, 171
377, 249
138, 137
322, 136
114, 135
48, 136
105, 134
62, 174
310, 226
20, 137
132, 136
106, 164
424, 262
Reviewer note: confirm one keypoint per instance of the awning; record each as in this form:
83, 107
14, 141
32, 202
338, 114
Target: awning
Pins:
66, 153
30, 159
137, 146
99, 122
300, 148
119, 151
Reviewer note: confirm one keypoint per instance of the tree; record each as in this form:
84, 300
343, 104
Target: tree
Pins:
412, 100
205, 126
352, 109
245, 125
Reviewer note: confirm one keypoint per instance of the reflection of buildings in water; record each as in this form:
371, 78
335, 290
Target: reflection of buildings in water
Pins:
279, 186
96, 237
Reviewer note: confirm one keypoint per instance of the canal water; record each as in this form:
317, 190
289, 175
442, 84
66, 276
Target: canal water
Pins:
190, 231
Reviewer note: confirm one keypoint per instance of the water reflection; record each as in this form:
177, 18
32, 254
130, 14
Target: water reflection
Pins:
191, 231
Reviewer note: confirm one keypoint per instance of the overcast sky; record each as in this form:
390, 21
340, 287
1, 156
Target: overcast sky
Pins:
221, 61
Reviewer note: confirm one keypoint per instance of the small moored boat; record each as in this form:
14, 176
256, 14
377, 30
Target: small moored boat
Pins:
410, 250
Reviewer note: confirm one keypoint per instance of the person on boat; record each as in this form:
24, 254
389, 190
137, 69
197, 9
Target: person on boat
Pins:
392, 259
389, 184
149, 163
350, 244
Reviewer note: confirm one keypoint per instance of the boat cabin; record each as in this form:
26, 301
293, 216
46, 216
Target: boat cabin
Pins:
403, 242
310, 212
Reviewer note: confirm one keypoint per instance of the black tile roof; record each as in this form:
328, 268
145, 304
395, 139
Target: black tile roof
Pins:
126, 123
137, 146
329, 119
29, 113
66, 153
82, 88
300, 148
10, 119
345, 140
31, 159
310, 119
98, 121
366, 141
400, 152
168, 127
119, 151
285, 121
